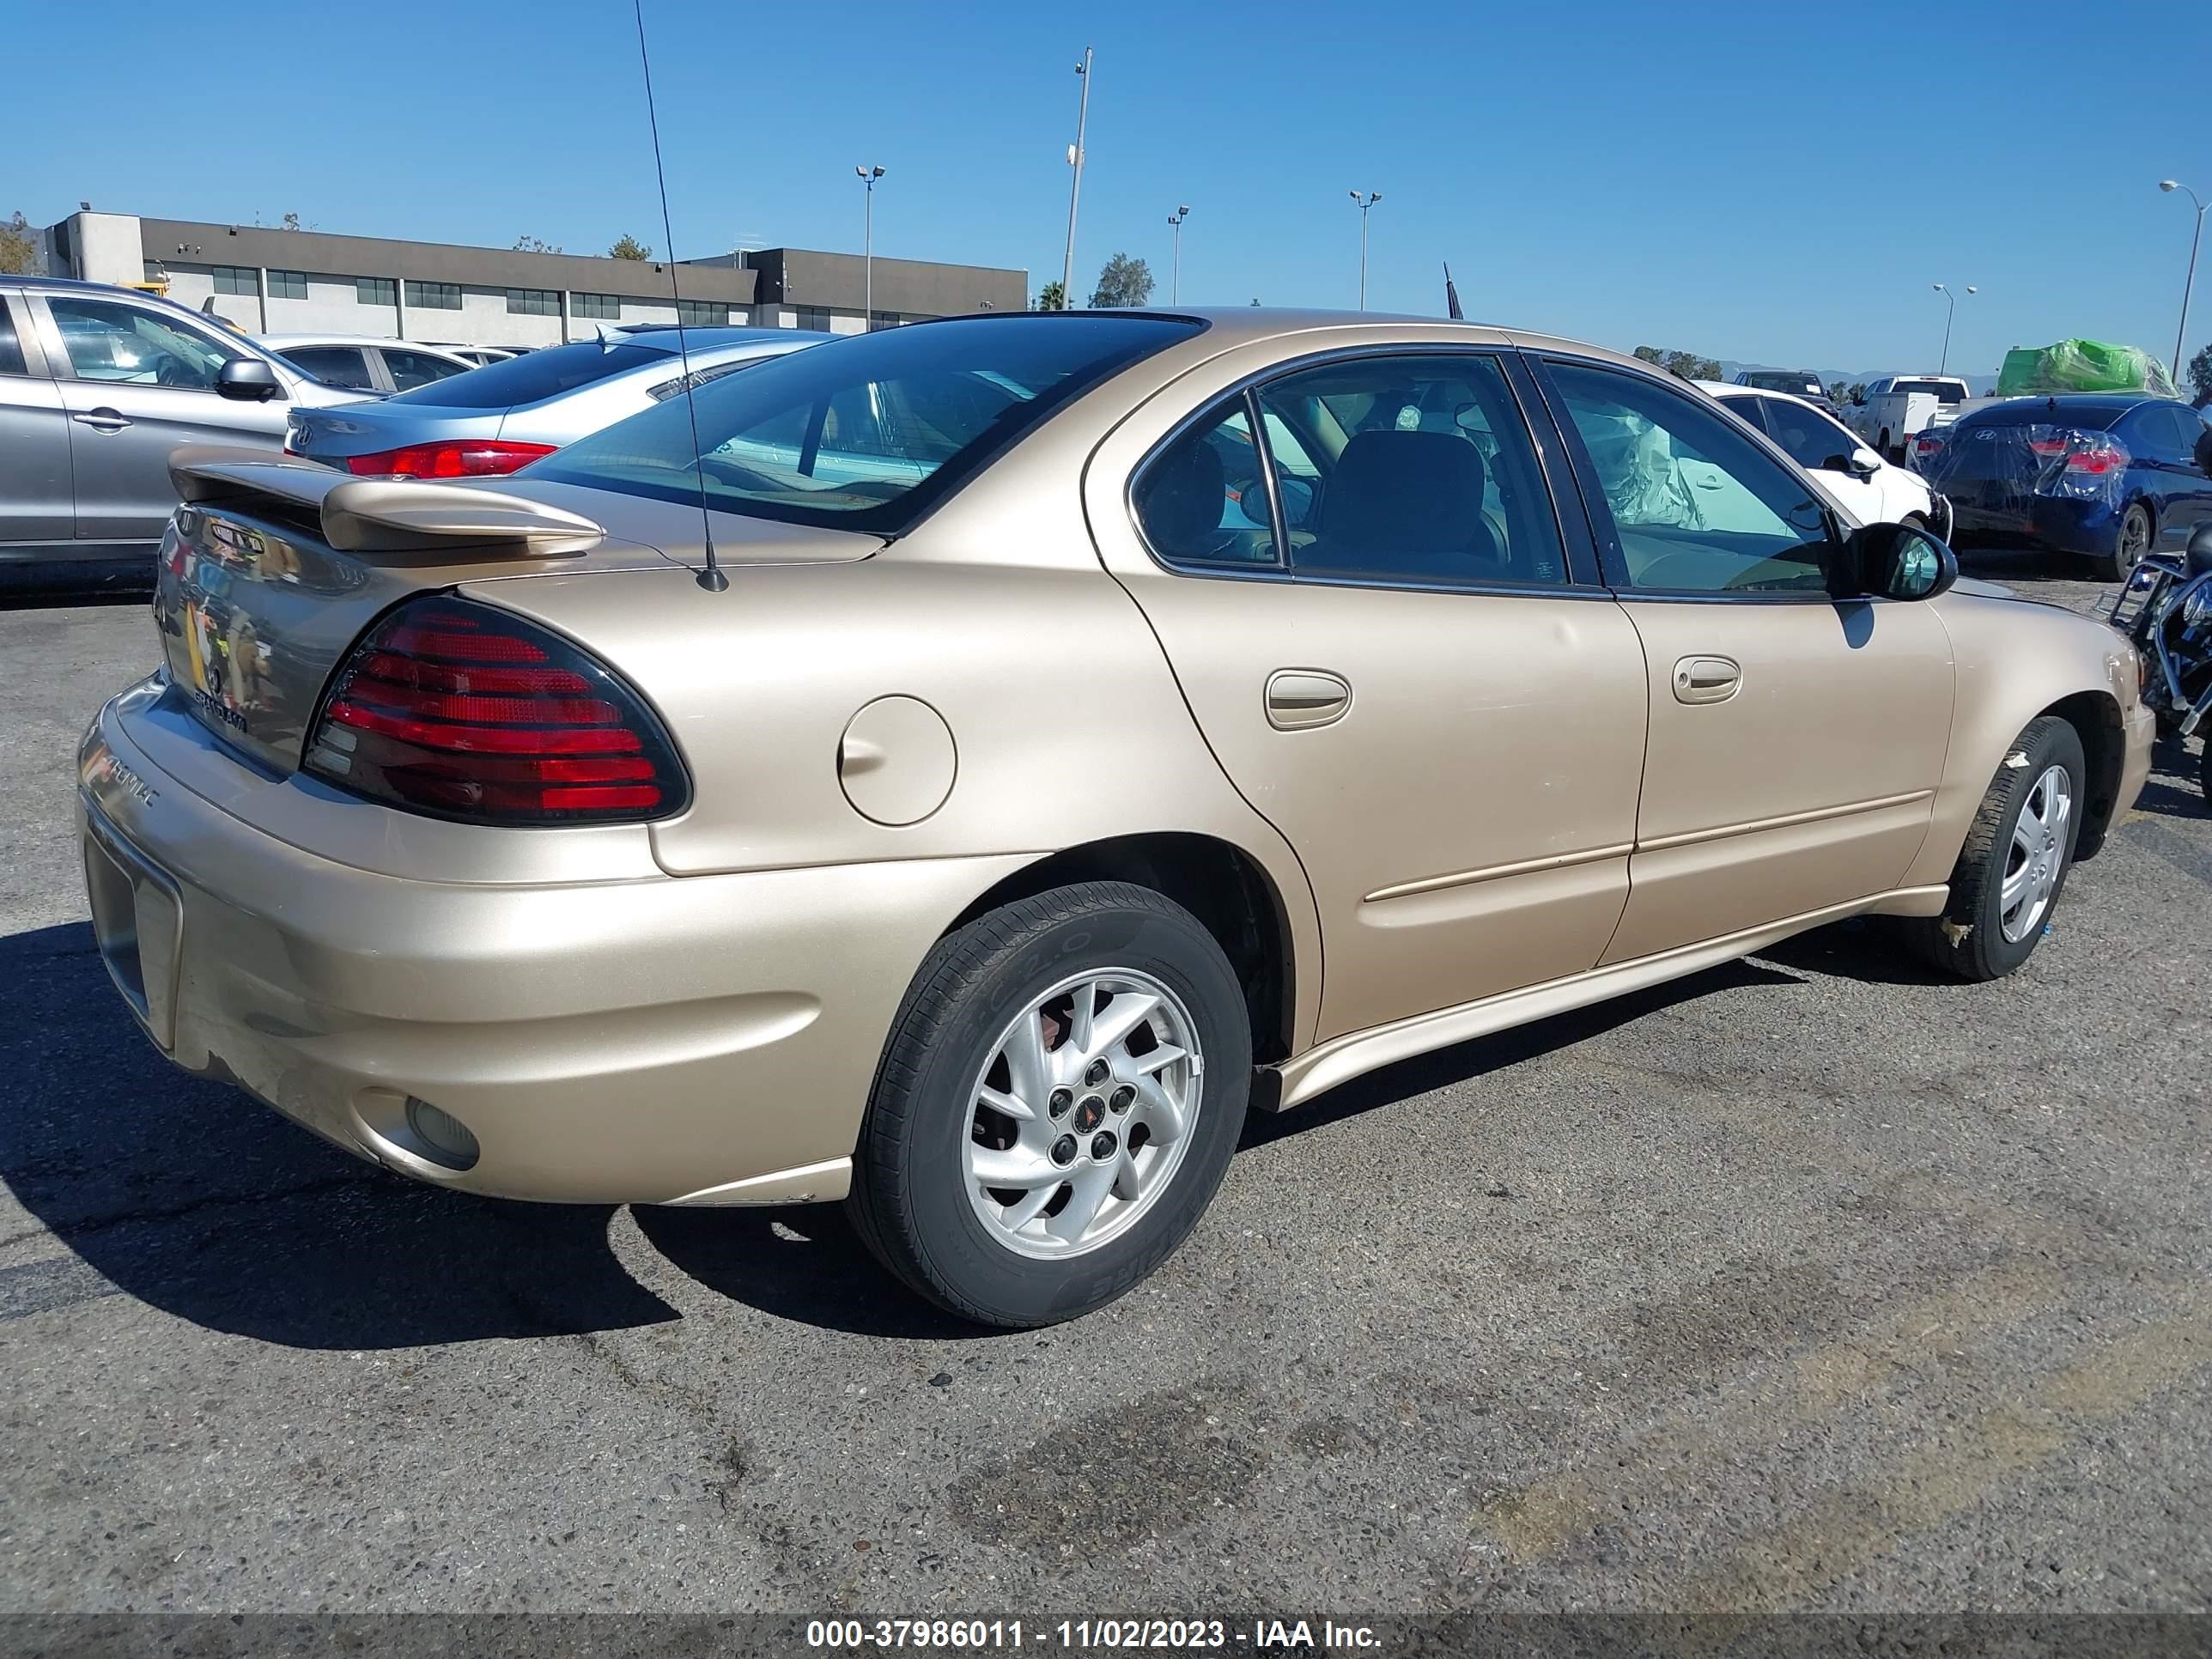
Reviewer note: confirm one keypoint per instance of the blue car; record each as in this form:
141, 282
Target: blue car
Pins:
2108, 474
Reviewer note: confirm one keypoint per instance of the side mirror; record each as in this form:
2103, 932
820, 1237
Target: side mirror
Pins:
247, 381
1897, 561
1861, 464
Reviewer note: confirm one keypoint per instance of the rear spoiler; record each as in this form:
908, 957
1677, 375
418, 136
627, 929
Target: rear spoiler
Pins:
387, 516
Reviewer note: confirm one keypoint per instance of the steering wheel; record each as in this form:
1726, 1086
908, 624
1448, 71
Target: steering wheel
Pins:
171, 371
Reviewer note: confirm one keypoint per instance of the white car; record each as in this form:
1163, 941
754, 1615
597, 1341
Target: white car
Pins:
1898, 406
481, 355
366, 362
1863, 483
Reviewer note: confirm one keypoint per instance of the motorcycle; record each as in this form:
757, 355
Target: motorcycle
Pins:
2165, 610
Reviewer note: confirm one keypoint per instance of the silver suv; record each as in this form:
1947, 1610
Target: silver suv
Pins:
97, 386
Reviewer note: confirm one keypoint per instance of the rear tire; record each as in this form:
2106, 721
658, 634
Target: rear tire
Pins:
2014, 849
922, 1198
2136, 533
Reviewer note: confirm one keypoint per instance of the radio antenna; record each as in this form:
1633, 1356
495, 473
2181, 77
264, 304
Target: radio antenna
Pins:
711, 578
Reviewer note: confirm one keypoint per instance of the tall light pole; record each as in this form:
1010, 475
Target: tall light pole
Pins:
1175, 269
1075, 189
868, 177
2169, 185
1366, 201
1951, 304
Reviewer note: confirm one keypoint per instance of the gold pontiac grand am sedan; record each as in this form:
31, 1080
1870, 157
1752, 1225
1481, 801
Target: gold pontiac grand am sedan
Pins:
1088, 725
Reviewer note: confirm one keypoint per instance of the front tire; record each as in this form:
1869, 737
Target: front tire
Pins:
2134, 542
2012, 867
1060, 1098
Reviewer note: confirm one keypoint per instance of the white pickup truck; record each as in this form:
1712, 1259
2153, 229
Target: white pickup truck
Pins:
1897, 406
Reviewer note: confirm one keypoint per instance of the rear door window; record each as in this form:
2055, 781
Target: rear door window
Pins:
345, 366
1422, 472
410, 369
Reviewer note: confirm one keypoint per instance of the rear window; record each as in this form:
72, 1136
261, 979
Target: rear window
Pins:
531, 378
1944, 390
867, 432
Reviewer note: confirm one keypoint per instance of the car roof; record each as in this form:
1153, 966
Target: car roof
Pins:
278, 342
2107, 406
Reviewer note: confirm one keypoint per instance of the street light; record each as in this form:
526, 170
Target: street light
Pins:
868, 177
1366, 201
2169, 186
1951, 304
1075, 189
1175, 277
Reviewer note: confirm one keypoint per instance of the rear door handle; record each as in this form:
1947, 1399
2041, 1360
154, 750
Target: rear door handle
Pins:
102, 420
1706, 679
1298, 698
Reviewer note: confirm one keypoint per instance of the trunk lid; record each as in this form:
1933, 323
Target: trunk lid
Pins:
271, 570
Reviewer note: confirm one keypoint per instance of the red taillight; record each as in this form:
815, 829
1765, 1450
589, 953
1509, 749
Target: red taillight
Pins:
1926, 444
2101, 457
466, 711
450, 458
2049, 448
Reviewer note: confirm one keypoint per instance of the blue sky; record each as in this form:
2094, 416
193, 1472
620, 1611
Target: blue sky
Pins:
1774, 182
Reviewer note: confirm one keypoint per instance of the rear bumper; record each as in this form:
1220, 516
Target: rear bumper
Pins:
2140, 730
2068, 525
705, 1039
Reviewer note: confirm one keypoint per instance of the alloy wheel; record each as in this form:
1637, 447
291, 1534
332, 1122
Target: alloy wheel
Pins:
1079, 1118
2037, 857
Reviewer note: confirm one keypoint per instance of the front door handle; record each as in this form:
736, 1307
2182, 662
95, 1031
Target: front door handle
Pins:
102, 419
1706, 679
1298, 698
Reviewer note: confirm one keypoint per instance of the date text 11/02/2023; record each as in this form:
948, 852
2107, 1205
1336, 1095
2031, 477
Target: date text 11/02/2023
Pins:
1078, 1635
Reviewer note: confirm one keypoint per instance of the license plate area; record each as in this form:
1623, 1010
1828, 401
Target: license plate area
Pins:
137, 921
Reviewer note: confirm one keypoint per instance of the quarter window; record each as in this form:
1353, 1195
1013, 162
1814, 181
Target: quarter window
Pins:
1418, 470
11, 348
435, 297
288, 284
1203, 500
376, 291
1696, 507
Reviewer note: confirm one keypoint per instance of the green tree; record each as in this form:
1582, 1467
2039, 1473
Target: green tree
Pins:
1051, 297
19, 247
1648, 355
2199, 371
290, 221
629, 248
1123, 282
533, 245
1839, 393
1690, 366
1858, 394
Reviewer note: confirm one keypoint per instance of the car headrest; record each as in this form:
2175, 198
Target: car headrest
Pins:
1405, 490
1179, 500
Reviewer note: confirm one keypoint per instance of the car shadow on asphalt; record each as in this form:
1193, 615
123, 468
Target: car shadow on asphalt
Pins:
194, 1198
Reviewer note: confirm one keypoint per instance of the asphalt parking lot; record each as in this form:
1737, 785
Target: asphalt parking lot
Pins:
1807, 1283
